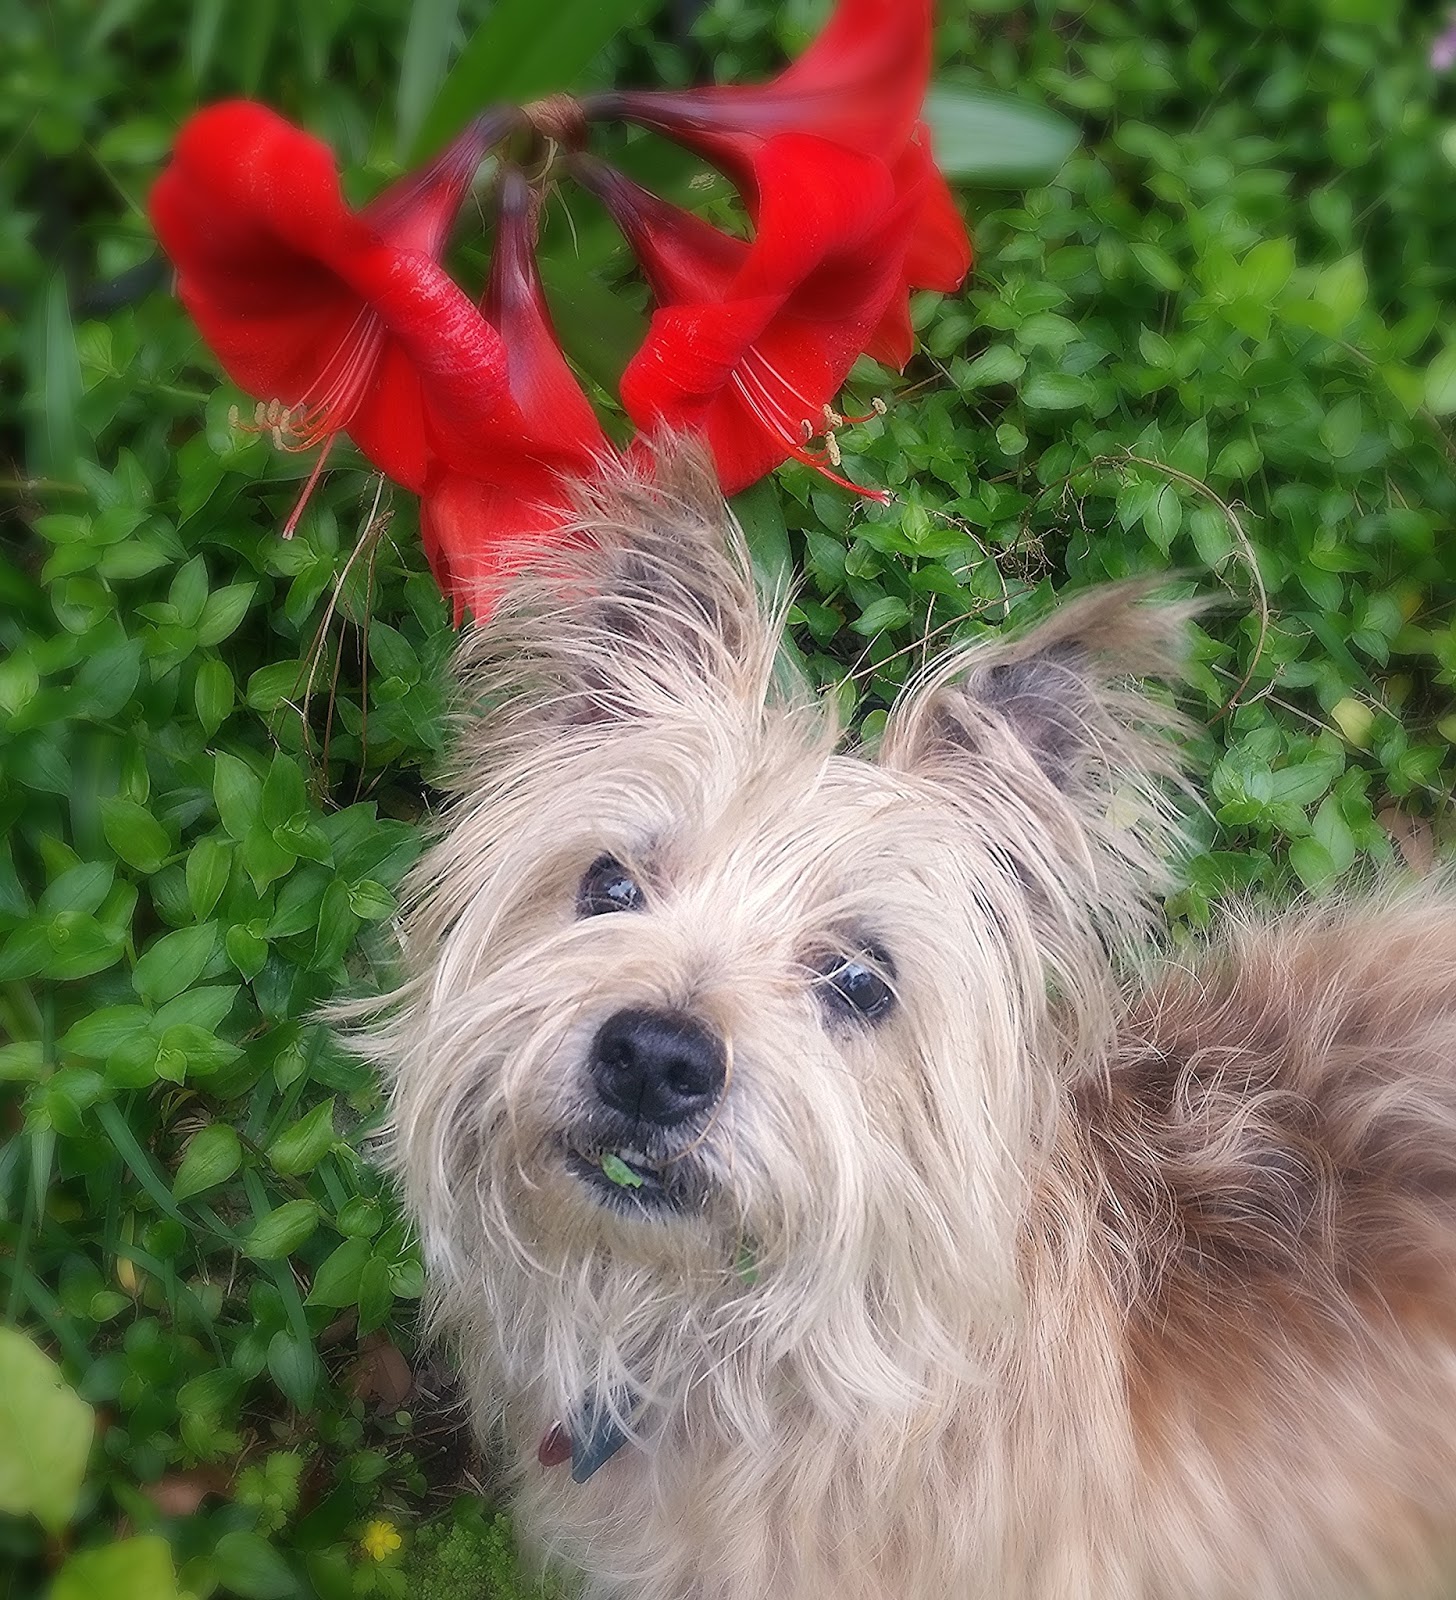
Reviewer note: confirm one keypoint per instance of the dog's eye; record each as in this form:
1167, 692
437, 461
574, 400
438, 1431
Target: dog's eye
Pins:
607, 886
859, 985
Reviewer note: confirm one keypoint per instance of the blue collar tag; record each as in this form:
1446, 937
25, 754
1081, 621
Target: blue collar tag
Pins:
596, 1436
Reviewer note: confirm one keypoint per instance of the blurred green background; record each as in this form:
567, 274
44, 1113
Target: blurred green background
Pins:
1216, 341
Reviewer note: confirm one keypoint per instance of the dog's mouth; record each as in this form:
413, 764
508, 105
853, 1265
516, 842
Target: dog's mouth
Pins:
631, 1180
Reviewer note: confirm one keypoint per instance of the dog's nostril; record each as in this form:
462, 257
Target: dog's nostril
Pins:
657, 1066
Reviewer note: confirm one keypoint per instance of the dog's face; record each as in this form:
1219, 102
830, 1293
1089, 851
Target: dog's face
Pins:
696, 991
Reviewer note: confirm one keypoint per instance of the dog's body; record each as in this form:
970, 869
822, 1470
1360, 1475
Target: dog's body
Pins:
788, 1119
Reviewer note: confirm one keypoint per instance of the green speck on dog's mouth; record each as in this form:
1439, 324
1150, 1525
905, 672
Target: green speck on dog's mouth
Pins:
619, 1172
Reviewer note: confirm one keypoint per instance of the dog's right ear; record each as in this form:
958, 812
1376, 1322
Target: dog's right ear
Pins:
654, 610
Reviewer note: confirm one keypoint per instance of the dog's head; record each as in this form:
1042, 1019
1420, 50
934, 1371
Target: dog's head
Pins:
695, 989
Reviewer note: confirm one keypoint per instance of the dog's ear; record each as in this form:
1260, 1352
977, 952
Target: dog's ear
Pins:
653, 609
1060, 700
1053, 740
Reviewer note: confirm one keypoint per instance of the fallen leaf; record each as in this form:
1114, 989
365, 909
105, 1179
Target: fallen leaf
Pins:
381, 1374
1412, 837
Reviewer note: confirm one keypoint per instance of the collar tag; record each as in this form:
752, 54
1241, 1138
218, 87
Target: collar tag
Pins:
594, 1439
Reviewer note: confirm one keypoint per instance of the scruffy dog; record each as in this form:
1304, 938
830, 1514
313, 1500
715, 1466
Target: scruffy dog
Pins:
829, 1195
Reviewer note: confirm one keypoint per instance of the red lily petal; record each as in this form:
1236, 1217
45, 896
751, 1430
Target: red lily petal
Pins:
542, 385
688, 357
499, 496
893, 341
755, 367
682, 256
860, 83
457, 512
940, 253
817, 201
418, 211
310, 303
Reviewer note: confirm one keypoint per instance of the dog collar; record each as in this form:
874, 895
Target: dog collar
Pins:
591, 1442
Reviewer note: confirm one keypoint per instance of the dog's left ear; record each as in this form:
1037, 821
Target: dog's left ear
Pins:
1062, 699
1052, 739
655, 608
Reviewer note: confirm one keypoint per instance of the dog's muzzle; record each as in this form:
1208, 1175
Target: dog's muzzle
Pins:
653, 1075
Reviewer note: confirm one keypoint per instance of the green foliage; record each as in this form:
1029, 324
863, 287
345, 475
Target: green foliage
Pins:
1218, 344
130, 1569
468, 1555
45, 1435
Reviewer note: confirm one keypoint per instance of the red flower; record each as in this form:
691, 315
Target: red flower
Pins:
346, 318
751, 342
486, 508
861, 84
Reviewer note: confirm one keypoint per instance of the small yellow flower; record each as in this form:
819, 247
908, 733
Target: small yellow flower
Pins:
381, 1539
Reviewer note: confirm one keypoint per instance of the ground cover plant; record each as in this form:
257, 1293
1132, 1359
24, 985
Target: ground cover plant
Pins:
1217, 342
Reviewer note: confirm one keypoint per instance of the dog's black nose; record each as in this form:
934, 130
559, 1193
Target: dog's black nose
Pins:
657, 1066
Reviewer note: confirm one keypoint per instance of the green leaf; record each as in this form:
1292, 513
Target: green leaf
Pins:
369, 901
188, 593
210, 1159
980, 136
295, 1366
619, 1172
393, 654
1164, 517
282, 1231
376, 1296
1314, 864
131, 1569
336, 1283
238, 791
1160, 267
1342, 290
223, 612
23, 1062
360, 1217
889, 611
300, 1148
761, 516
1441, 383
285, 793
79, 946
522, 50
196, 1008
599, 329
135, 834
209, 863
80, 888
246, 949
55, 372
1055, 391
199, 1051
46, 1431
174, 963
247, 1565
337, 926
97, 1035
213, 694
999, 363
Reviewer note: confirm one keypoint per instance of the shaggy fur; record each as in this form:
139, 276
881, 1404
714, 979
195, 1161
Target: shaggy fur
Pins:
1051, 1282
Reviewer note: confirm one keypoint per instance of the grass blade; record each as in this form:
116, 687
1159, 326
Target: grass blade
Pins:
422, 66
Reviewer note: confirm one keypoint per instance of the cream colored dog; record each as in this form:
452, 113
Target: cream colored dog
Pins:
827, 1193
